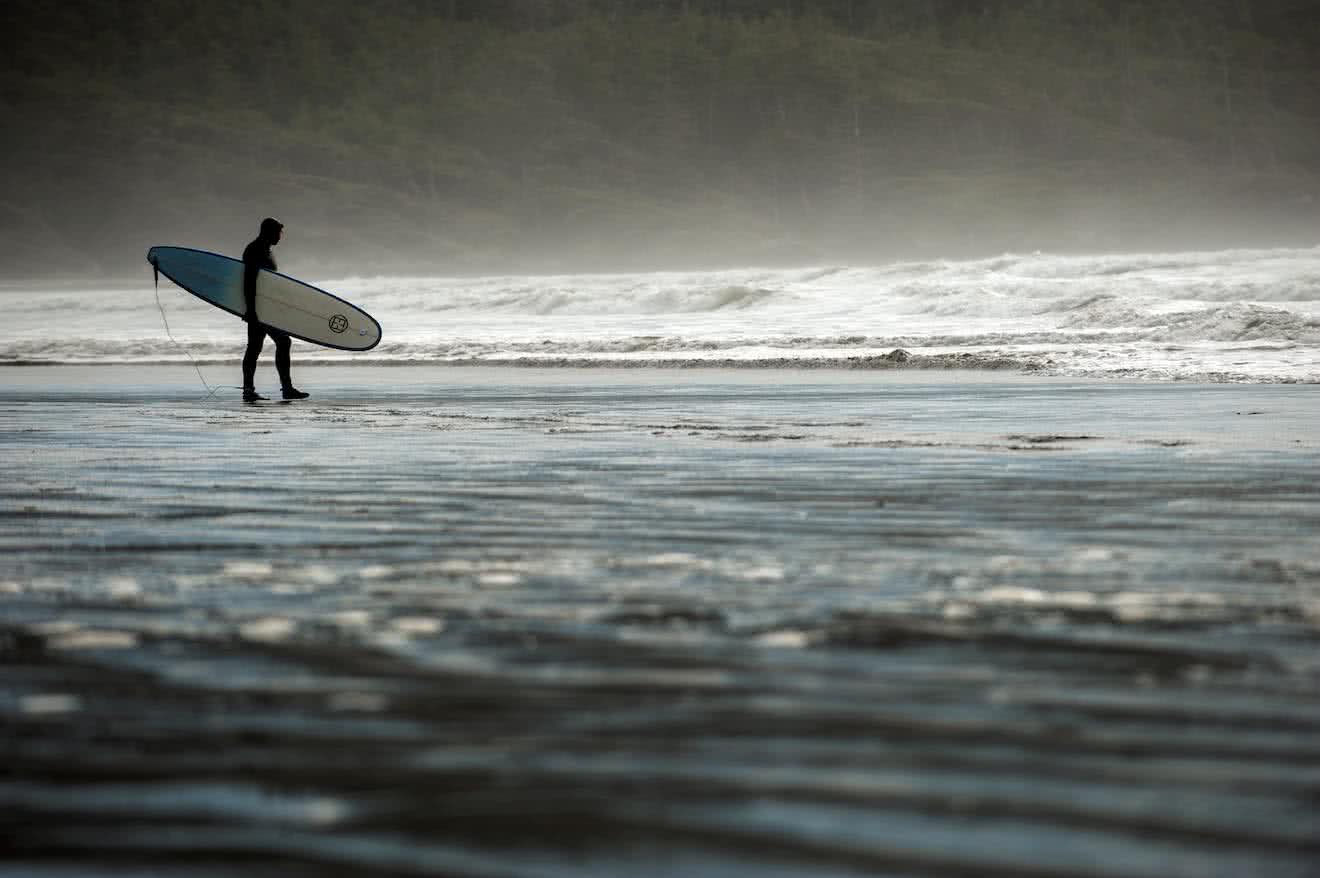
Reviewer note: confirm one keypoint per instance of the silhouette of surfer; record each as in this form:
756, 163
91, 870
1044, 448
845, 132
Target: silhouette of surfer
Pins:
256, 256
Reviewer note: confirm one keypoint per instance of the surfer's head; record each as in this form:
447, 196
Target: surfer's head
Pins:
271, 229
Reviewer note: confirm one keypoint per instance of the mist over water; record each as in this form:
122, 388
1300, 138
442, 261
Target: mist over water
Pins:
1244, 315
537, 136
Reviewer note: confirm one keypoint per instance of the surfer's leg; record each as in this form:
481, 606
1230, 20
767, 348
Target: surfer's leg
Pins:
256, 338
282, 360
282, 344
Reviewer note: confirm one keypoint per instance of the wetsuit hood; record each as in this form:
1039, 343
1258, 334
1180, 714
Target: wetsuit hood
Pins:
270, 230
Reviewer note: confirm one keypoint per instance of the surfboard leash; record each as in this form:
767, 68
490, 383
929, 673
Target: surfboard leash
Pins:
211, 391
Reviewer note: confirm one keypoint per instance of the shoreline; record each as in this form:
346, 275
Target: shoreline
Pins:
957, 364
955, 407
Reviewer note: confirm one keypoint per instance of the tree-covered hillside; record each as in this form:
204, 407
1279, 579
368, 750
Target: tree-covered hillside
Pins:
454, 135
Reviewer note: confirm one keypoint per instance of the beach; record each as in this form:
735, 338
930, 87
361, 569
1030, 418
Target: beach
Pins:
499, 620
802, 439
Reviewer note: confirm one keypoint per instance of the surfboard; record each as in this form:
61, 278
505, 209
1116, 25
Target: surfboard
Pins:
283, 302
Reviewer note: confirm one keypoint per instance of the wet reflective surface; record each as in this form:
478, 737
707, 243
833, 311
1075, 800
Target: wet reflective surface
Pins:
482, 622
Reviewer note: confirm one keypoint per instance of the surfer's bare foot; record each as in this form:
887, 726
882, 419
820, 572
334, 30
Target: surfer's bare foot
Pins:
294, 393
250, 395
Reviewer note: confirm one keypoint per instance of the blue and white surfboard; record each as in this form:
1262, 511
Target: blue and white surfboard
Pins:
283, 302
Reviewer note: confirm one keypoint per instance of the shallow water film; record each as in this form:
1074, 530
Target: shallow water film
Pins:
517, 623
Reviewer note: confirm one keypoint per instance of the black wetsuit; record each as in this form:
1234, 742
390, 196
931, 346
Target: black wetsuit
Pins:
256, 256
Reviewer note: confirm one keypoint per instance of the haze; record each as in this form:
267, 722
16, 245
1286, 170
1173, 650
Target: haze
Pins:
555, 135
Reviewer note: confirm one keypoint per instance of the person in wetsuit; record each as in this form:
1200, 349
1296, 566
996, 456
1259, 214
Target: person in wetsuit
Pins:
256, 256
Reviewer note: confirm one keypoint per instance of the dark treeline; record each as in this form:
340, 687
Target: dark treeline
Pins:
407, 135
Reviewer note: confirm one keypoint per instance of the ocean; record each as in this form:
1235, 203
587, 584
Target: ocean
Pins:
513, 595
1235, 316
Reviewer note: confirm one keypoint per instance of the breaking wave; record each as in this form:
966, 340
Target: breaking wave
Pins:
1252, 315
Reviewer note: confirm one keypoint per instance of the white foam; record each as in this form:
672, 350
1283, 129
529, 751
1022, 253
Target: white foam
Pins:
351, 619
269, 629
417, 625
49, 704
787, 639
1073, 315
255, 570
93, 640
499, 579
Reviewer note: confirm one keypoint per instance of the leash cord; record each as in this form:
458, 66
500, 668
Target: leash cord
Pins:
212, 391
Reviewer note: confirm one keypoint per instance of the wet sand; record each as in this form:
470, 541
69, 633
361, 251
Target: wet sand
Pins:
646, 622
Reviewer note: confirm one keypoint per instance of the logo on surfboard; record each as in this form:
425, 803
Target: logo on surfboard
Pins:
338, 323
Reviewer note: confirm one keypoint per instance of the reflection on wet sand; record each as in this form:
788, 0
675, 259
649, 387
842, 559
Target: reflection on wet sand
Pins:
575, 630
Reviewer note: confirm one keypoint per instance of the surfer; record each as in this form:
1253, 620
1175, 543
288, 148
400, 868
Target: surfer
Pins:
256, 256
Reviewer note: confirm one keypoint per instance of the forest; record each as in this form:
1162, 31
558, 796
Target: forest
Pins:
410, 136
